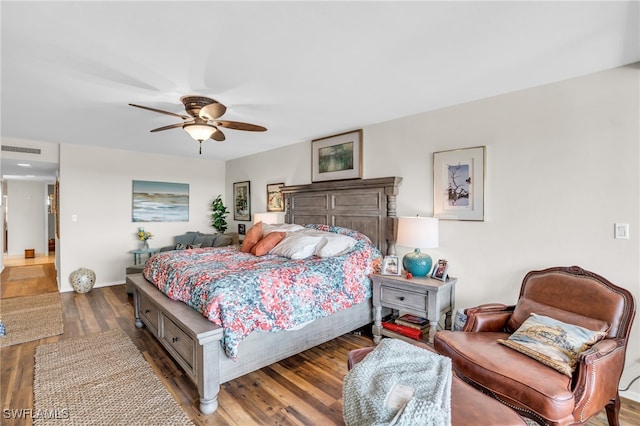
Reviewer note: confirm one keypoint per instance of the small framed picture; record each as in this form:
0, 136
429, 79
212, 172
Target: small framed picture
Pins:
241, 229
242, 201
440, 270
390, 266
275, 198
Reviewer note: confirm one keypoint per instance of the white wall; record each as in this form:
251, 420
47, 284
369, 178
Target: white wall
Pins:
289, 165
562, 167
96, 186
26, 216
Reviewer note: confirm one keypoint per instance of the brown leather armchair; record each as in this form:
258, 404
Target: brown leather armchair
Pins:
568, 294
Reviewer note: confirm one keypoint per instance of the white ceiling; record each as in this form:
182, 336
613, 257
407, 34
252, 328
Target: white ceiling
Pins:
304, 70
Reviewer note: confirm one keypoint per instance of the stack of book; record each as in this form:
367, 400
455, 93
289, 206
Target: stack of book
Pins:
413, 322
408, 325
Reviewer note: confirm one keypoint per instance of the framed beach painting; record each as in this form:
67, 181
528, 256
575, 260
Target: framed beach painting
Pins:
458, 184
337, 157
241, 201
160, 201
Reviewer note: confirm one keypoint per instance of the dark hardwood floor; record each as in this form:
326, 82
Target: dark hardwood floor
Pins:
305, 389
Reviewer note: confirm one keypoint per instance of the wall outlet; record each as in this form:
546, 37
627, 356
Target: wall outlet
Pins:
621, 231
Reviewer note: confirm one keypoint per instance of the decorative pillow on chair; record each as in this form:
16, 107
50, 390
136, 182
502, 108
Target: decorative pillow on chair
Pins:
187, 238
223, 240
552, 342
205, 240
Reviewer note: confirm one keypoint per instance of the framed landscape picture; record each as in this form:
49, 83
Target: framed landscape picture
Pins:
241, 201
458, 184
160, 201
337, 157
275, 199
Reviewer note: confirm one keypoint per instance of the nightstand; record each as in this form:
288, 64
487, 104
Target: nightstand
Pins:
423, 296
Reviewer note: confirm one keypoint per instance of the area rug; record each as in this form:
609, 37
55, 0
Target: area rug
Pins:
30, 318
25, 272
101, 379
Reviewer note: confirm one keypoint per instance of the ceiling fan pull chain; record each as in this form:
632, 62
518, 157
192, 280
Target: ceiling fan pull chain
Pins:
200, 147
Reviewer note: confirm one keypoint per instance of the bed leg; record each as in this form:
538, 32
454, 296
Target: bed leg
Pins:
136, 308
207, 374
208, 406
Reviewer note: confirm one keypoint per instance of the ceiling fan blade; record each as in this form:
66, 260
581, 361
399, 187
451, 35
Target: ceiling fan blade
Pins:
218, 136
212, 111
171, 126
237, 125
184, 117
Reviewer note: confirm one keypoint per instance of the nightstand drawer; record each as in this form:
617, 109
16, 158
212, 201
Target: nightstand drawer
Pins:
390, 296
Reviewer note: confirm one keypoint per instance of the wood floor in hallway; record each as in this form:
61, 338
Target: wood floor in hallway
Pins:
44, 280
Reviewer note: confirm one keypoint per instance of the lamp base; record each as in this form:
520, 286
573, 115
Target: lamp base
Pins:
419, 264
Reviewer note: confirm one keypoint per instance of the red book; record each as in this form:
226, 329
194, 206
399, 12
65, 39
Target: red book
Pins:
405, 331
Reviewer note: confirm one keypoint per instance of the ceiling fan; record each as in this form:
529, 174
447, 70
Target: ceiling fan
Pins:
202, 120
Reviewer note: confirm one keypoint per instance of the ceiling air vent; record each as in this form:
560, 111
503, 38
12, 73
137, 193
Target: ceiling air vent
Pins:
24, 150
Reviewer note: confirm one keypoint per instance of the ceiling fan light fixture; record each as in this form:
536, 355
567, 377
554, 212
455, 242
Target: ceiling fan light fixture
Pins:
199, 132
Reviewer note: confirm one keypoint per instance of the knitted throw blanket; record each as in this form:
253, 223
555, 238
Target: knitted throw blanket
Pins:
398, 384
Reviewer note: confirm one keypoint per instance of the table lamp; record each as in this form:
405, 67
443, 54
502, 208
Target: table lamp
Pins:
417, 232
266, 218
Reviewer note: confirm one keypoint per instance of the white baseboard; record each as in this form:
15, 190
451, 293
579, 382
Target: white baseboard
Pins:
635, 396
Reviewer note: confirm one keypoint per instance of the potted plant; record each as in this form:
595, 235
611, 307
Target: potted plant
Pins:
218, 215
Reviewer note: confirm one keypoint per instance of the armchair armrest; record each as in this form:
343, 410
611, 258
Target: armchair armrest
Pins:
488, 317
599, 350
599, 369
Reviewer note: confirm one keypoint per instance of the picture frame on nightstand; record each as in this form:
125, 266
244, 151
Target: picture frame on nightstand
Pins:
391, 266
440, 270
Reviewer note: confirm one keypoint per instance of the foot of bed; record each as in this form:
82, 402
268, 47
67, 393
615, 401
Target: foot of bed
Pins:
208, 406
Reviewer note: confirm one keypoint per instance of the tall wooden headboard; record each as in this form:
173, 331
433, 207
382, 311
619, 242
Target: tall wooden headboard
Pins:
365, 205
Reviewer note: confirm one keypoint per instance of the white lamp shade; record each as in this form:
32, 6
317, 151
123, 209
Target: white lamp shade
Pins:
199, 132
268, 218
418, 232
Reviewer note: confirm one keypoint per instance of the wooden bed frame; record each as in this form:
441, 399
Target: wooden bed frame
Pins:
366, 205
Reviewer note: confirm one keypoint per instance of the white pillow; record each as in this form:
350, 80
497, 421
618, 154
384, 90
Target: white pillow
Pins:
334, 245
281, 227
331, 244
297, 245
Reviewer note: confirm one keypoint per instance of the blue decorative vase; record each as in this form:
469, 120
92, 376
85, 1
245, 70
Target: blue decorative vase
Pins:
419, 264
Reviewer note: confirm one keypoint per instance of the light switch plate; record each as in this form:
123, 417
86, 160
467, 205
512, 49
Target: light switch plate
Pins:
622, 231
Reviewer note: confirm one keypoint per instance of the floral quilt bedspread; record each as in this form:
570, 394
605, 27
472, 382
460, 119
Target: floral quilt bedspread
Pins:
243, 293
